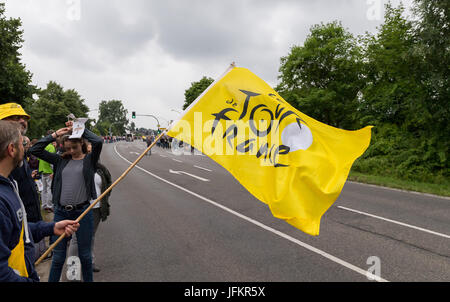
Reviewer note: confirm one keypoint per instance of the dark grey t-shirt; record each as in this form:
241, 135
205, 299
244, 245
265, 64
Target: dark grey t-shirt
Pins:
73, 191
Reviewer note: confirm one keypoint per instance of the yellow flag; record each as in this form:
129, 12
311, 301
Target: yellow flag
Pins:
293, 163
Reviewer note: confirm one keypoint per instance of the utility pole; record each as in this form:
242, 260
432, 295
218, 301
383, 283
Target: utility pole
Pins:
149, 115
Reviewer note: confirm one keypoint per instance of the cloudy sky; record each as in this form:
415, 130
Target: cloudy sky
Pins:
148, 52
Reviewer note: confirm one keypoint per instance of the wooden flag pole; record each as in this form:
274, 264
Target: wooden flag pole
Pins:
99, 198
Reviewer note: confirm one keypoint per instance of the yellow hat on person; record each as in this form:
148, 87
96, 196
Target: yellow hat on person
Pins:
10, 109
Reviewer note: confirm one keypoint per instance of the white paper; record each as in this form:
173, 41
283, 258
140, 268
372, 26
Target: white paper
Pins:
78, 127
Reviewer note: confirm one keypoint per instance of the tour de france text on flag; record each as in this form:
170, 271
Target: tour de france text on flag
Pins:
291, 162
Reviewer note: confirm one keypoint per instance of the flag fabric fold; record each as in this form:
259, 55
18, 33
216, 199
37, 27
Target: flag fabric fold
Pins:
291, 162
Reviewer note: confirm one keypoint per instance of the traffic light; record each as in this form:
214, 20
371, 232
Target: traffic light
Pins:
133, 114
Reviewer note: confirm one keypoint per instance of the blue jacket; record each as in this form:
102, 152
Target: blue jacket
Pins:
11, 216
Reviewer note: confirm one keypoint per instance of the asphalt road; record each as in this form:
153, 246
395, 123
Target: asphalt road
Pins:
186, 219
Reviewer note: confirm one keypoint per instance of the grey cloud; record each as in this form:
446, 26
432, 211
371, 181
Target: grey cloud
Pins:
46, 41
103, 25
195, 30
101, 37
185, 29
227, 28
209, 31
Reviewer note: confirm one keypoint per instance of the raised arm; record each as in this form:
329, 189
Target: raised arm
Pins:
39, 151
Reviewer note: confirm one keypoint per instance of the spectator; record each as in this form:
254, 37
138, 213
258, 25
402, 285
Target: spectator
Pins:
46, 172
26, 147
33, 161
73, 188
17, 252
149, 142
59, 146
100, 211
26, 143
23, 174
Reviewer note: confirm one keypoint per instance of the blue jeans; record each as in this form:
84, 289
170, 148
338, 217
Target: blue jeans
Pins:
84, 237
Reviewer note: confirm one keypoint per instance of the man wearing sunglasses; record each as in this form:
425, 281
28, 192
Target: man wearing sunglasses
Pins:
15, 113
23, 173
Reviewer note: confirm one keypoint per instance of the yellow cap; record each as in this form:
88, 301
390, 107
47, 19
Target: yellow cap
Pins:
10, 109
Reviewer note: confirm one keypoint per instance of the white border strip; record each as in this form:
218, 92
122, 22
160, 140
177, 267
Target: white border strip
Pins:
367, 274
396, 222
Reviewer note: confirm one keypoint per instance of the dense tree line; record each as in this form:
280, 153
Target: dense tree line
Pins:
51, 108
112, 118
396, 80
15, 79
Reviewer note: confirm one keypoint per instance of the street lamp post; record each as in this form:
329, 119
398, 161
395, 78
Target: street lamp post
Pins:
150, 115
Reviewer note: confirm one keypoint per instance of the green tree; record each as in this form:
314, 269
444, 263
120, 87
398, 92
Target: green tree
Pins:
433, 42
113, 115
412, 135
432, 33
323, 77
393, 93
52, 107
196, 90
15, 80
132, 127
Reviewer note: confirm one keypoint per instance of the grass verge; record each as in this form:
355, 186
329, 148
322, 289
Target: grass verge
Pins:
391, 182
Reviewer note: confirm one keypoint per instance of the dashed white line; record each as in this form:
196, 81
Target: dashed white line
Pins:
350, 266
179, 161
189, 174
201, 168
396, 222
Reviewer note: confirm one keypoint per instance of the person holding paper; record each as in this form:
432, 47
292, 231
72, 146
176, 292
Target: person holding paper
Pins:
73, 188
46, 172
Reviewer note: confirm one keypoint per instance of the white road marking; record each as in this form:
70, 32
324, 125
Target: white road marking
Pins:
189, 174
396, 222
179, 161
265, 227
203, 168
162, 155
134, 153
